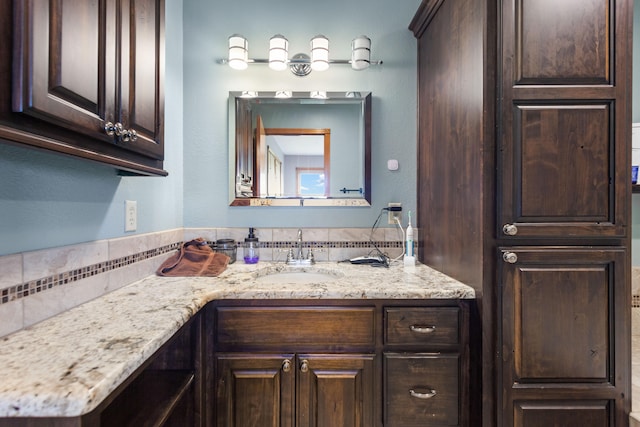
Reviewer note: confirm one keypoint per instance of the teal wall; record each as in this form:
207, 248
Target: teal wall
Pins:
207, 85
48, 200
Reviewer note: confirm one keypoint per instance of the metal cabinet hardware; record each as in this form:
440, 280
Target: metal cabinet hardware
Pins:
510, 229
422, 329
418, 395
117, 130
286, 365
304, 366
510, 257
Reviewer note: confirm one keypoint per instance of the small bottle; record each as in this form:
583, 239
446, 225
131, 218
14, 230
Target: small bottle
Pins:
251, 248
409, 254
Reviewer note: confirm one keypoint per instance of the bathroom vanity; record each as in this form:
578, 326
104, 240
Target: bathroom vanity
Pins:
367, 347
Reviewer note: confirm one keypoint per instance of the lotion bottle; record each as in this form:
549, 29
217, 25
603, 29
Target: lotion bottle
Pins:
409, 255
251, 248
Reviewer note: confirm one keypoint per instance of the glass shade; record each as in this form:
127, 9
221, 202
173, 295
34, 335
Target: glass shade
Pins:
319, 53
278, 52
360, 53
238, 52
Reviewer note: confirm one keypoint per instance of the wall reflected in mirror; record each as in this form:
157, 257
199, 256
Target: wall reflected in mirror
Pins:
300, 150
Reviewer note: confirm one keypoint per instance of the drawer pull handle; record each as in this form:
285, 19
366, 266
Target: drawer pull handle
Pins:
422, 329
286, 365
304, 366
427, 395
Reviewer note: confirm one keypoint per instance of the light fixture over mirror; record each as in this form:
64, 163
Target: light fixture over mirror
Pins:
304, 150
300, 64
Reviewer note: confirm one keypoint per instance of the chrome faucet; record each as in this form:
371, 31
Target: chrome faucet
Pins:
299, 255
298, 258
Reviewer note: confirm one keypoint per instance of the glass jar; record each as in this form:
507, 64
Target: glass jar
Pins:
227, 247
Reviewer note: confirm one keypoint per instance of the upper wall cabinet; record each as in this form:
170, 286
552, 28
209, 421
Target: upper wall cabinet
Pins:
87, 79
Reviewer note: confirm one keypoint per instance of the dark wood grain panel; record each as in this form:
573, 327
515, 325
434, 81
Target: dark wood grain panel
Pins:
422, 326
336, 390
433, 378
556, 146
586, 413
299, 328
255, 390
564, 42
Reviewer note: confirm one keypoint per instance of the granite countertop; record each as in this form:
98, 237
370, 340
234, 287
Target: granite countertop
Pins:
67, 365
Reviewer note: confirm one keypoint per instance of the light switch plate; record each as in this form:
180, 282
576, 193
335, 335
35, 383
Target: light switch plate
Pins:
130, 215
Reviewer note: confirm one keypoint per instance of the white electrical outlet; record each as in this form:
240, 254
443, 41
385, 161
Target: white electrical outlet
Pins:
395, 214
130, 215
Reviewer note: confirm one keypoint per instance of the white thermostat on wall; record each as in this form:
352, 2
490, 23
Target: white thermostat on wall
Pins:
392, 164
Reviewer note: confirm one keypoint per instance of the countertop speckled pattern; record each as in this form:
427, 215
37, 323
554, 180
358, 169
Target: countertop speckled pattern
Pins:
66, 365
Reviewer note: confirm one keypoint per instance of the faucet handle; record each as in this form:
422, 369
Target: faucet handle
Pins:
290, 255
310, 256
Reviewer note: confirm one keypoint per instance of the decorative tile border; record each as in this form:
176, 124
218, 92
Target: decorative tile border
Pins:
33, 287
635, 301
36, 286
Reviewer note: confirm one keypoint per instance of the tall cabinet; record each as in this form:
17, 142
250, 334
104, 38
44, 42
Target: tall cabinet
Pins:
524, 193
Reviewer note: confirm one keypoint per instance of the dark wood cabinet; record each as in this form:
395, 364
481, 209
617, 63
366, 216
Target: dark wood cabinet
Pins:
423, 365
255, 390
324, 373
86, 79
302, 363
563, 321
524, 194
295, 390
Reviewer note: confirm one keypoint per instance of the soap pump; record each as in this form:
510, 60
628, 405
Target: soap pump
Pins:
251, 248
409, 254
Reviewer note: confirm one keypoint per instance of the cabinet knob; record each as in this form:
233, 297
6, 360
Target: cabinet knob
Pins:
129, 135
125, 135
510, 229
113, 129
304, 366
286, 365
510, 257
422, 329
427, 395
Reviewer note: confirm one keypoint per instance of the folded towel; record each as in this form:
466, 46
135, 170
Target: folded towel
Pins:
195, 258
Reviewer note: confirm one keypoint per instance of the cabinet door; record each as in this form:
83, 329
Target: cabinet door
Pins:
255, 390
565, 330
141, 93
563, 152
336, 390
65, 63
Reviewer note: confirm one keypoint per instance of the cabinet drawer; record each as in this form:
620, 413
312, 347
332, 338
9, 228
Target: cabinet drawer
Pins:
422, 325
295, 326
421, 389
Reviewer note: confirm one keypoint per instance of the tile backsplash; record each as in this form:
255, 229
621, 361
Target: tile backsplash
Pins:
40, 284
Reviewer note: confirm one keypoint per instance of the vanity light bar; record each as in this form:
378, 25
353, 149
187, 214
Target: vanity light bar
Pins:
300, 64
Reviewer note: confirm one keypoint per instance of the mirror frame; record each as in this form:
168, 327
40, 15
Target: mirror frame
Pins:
299, 97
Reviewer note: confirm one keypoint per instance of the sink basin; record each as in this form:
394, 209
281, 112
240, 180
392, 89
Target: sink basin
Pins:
301, 277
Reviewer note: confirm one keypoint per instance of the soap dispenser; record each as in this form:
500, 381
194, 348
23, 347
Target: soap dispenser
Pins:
251, 248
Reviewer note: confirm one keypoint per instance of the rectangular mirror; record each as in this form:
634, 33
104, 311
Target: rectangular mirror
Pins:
307, 149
